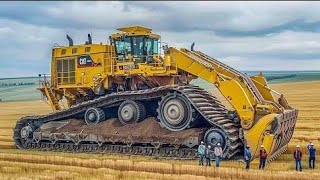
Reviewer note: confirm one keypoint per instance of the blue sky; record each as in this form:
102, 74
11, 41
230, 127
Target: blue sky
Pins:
245, 35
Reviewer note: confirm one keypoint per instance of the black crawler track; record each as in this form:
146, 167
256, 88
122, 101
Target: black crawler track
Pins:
207, 105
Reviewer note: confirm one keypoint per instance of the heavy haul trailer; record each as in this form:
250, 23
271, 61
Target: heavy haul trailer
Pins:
131, 81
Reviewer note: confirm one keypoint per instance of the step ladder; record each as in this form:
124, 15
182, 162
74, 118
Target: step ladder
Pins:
53, 101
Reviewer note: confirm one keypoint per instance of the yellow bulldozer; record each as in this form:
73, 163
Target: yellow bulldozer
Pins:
128, 97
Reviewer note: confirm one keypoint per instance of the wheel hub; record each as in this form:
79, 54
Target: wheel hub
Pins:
174, 111
215, 136
127, 112
131, 112
26, 132
92, 117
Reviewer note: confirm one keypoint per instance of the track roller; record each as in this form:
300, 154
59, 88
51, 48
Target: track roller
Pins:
131, 112
176, 113
94, 116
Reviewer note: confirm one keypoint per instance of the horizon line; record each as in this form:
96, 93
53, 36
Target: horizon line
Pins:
3, 78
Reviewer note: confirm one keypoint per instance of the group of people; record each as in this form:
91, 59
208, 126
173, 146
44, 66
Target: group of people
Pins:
262, 157
297, 155
205, 152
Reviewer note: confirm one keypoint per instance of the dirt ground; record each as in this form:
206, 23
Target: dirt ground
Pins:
146, 130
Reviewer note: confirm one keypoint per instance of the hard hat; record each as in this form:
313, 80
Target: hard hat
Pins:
311, 144
297, 146
247, 145
262, 146
202, 142
209, 146
218, 144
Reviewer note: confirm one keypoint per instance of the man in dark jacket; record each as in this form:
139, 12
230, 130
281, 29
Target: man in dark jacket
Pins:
312, 156
263, 157
247, 156
297, 155
208, 155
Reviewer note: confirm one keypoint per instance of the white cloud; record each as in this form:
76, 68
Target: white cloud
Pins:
271, 64
27, 43
290, 42
238, 16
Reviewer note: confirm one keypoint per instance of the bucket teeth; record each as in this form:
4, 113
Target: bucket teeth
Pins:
286, 123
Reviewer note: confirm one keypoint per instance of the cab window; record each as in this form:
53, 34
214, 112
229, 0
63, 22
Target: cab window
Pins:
138, 46
155, 46
141, 48
151, 48
123, 47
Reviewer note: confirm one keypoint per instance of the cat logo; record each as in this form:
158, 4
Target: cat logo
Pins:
82, 61
86, 61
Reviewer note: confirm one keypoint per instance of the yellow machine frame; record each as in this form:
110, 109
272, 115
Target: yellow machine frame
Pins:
256, 111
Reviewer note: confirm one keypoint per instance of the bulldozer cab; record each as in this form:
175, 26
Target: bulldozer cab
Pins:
136, 43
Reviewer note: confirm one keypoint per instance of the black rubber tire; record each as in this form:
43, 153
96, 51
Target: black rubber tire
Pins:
131, 112
94, 116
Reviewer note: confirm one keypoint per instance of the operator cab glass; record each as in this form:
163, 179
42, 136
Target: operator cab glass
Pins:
140, 48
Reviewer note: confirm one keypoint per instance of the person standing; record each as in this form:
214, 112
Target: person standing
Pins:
247, 156
309, 145
208, 155
297, 157
263, 157
218, 154
312, 156
201, 152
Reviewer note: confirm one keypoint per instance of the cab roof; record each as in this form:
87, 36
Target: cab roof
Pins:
135, 31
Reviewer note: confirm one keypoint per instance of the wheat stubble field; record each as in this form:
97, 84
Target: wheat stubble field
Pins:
17, 164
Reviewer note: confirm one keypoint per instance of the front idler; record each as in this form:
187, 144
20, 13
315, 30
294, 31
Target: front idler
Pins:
27, 132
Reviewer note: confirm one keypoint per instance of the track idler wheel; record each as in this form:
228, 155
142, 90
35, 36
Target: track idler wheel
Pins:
131, 112
176, 113
94, 116
26, 132
214, 136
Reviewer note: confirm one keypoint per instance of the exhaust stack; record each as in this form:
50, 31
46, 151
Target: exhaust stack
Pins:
70, 40
89, 39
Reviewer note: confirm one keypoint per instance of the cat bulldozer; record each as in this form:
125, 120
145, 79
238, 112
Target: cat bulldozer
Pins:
134, 96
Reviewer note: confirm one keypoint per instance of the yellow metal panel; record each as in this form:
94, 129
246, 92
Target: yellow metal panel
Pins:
231, 89
235, 94
220, 70
256, 135
191, 66
100, 54
267, 95
81, 49
135, 31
